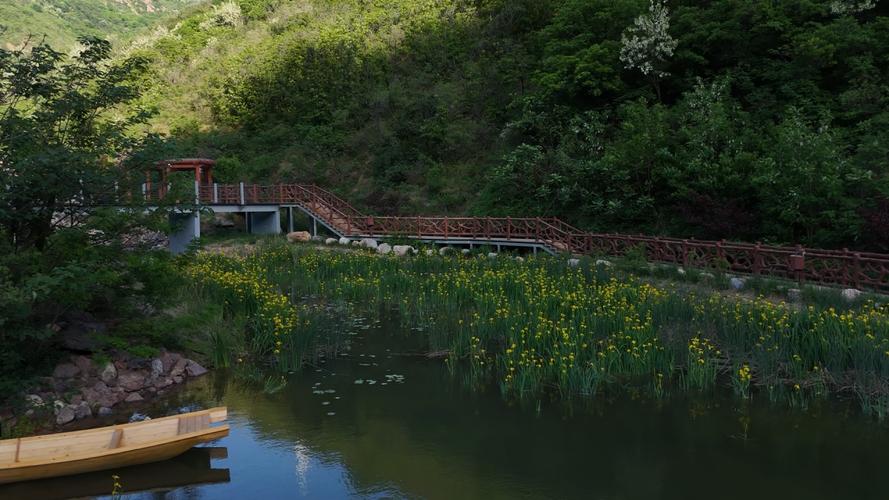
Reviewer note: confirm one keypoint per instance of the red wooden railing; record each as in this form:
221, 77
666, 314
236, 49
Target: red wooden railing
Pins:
835, 267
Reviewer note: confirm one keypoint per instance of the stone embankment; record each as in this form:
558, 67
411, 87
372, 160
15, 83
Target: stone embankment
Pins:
81, 388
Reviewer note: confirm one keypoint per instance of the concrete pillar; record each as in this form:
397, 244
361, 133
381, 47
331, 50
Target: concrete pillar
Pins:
314, 226
289, 219
264, 222
186, 227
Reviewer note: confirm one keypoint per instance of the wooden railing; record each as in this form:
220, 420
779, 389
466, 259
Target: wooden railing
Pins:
835, 267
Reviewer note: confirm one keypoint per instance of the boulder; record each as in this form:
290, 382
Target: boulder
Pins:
34, 400
157, 368
520, 259
194, 370
794, 294
177, 379
356, 243
331, 241
179, 368
737, 283
65, 415
492, 255
403, 250
131, 381
169, 359
384, 249
66, 370
345, 241
85, 365
430, 252
850, 294
465, 251
317, 238
162, 382
573, 262
680, 271
445, 251
299, 236
603, 263
369, 243
108, 373
133, 398
82, 410
104, 411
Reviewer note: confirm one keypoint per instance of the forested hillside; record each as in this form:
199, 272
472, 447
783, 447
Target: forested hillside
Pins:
739, 119
62, 21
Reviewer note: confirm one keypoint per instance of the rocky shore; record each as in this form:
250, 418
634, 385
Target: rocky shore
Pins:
80, 387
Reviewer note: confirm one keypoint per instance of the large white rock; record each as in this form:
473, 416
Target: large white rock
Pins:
331, 241
384, 248
520, 259
603, 263
369, 243
465, 251
446, 250
851, 294
402, 250
345, 241
737, 283
299, 236
573, 262
492, 255
430, 252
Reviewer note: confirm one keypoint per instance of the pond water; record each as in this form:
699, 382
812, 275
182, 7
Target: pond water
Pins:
410, 430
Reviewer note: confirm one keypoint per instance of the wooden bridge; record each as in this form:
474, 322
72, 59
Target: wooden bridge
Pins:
263, 206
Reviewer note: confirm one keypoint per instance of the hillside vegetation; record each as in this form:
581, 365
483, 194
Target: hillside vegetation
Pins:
63, 21
739, 119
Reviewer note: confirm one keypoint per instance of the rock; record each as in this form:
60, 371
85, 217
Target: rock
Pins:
402, 250
369, 243
603, 263
520, 259
65, 370
179, 368
131, 381
169, 359
317, 238
345, 241
356, 243
104, 411
680, 271
737, 283
108, 374
162, 382
794, 294
706, 276
429, 252
194, 370
331, 241
384, 248
76, 399
465, 251
58, 405
139, 417
65, 415
85, 365
492, 255
850, 294
445, 251
157, 368
573, 262
133, 398
82, 410
177, 379
34, 400
299, 236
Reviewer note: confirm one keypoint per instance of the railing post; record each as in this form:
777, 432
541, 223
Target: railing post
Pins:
446, 228
419, 232
215, 193
857, 270
509, 228
197, 193
757, 264
241, 198
684, 253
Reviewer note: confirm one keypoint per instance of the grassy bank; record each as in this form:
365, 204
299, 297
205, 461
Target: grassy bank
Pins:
540, 325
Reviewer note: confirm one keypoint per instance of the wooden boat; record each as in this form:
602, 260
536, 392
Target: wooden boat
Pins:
112, 447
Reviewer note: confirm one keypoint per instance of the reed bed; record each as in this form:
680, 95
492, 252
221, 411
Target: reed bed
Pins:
541, 325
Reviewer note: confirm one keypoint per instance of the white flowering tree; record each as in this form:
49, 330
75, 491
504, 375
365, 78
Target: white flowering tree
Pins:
647, 44
851, 6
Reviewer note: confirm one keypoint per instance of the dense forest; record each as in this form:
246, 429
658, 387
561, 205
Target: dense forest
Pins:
739, 119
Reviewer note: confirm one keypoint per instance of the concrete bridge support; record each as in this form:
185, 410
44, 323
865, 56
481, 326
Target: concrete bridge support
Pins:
186, 228
264, 222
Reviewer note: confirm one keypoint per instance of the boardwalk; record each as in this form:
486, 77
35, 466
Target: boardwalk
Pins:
263, 206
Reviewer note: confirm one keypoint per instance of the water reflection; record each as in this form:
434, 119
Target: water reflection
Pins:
183, 473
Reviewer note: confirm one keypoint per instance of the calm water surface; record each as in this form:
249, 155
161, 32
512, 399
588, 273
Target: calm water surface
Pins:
427, 436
